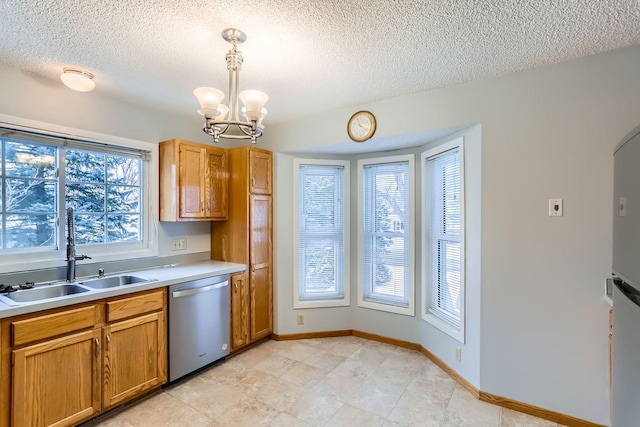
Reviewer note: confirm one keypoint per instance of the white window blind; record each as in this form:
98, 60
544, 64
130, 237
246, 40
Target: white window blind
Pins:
321, 232
386, 231
444, 220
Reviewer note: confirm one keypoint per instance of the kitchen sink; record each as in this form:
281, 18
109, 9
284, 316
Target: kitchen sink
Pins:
42, 293
113, 281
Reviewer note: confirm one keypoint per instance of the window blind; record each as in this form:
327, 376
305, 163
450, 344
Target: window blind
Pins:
444, 219
385, 233
321, 232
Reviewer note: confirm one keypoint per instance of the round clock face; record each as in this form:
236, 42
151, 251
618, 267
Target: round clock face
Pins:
361, 126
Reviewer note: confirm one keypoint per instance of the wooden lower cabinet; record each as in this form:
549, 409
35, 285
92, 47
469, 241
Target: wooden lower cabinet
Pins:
261, 303
60, 376
57, 382
239, 311
134, 358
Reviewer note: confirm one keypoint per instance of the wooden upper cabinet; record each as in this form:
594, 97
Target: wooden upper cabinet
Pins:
260, 171
193, 181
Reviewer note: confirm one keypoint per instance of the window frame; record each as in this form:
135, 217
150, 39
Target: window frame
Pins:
409, 310
24, 258
322, 302
427, 272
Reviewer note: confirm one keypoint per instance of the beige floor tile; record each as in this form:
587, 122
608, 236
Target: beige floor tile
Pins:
286, 420
509, 418
296, 350
324, 360
408, 361
206, 395
304, 375
433, 385
353, 369
372, 356
377, 398
160, 410
276, 364
338, 387
277, 393
464, 410
314, 408
350, 416
413, 410
249, 412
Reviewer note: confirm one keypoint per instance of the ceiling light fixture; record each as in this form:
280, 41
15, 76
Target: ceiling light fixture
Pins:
215, 113
77, 79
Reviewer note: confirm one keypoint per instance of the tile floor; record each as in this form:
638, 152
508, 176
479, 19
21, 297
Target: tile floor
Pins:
342, 381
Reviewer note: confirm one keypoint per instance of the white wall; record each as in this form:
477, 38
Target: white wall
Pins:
546, 133
30, 97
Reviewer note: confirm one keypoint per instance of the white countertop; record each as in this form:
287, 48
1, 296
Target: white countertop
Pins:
165, 276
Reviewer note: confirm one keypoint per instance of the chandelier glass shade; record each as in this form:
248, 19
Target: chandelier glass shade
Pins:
224, 121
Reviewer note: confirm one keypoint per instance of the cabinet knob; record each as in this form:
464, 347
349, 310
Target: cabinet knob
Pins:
97, 347
253, 268
108, 343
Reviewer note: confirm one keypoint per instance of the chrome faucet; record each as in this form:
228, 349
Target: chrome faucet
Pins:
71, 248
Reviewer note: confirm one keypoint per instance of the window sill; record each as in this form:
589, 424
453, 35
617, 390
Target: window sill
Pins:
405, 311
444, 327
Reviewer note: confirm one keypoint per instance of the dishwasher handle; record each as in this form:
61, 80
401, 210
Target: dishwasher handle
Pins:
187, 292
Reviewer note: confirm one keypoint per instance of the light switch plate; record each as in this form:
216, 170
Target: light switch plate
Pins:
555, 207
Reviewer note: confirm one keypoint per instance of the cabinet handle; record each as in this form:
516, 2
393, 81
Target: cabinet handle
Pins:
253, 268
97, 347
208, 206
236, 285
253, 182
108, 343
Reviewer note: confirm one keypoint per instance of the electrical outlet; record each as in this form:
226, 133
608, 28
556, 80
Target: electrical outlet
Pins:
458, 354
300, 319
179, 244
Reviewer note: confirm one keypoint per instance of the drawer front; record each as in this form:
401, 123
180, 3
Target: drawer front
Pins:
133, 306
51, 325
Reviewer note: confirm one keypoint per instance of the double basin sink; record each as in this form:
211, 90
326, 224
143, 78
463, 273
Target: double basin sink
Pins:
45, 293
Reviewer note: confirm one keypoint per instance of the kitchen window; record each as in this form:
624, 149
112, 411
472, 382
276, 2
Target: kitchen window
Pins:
386, 249
321, 231
444, 238
43, 175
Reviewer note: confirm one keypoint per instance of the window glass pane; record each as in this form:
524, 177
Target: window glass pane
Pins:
23, 231
123, 199
319, 266
30, 195
123, 228
85, 166
85, 197
89, 228
444, 219
123, 170
386, 219
321, 232
28, 160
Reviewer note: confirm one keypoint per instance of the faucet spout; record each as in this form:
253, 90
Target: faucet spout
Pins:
71, 248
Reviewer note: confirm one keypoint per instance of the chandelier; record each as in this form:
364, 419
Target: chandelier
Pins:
223, 121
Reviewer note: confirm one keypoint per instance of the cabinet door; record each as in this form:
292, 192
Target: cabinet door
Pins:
134, 357
260, 172
191, 186
216, 182
57, 382
239, 311
260, 242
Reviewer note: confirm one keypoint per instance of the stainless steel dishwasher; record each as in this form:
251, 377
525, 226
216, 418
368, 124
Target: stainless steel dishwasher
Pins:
199, 316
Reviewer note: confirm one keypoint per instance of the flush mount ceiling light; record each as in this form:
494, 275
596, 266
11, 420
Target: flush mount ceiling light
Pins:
77, 79
217, 124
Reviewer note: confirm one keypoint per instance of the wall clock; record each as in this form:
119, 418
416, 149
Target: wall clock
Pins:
361, 126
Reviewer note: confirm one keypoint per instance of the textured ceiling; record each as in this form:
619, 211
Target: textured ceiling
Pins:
308, 55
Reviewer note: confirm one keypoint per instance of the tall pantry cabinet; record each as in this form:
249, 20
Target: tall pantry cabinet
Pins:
247, 238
